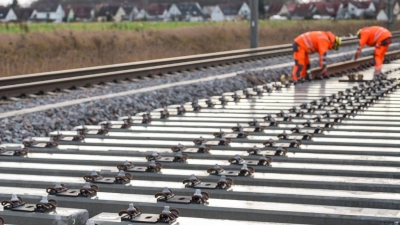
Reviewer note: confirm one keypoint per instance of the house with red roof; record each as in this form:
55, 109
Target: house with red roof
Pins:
230, 11
359, 10
326, 10
277, 9
302, 11
154, 12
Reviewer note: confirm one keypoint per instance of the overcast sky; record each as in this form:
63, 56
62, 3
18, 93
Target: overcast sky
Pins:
22, 2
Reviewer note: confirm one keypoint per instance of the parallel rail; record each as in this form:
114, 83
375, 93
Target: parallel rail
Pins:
55, 81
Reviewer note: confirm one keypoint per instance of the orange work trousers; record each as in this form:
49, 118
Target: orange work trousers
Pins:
301, 62
380, 51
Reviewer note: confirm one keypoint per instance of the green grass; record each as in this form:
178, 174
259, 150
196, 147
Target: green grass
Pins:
136, 26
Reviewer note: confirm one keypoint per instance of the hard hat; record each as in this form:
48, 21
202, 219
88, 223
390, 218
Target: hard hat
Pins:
337, 43
359, 33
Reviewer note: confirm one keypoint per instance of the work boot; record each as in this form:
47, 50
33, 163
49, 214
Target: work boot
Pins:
378, 71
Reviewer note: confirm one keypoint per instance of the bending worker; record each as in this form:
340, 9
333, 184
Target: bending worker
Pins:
309, 43
378, 37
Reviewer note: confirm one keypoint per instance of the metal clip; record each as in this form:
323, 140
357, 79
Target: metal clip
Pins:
246, 93
241, 133
199, 141
146, 118
51, 143
131, 212
164, 195
281, 151
224, 182
89, 190
56, 189
169, 215
318, 117
181, 109
206, 148
178, 147
215, 170
192, 181
125, 166
253, 151
57, 137
164, 113
82, 130
296, 129
299, 113
154, 167
295, 143
264, 161
307, 136
284, 135
246, 171
196, 106
28, 142
179, 157
13, 203
273, 122
235, 96
200, 197
210, 102
268, 117
128, 121
223, 100
220, 133
270, 142
281, 113
224, 141
236, 159
123, 177
46, 205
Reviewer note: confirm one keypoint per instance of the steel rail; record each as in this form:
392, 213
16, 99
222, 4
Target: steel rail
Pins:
55, 81
269, 51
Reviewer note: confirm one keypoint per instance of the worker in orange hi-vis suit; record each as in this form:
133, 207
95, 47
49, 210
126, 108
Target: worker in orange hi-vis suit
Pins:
378, 37
309, 43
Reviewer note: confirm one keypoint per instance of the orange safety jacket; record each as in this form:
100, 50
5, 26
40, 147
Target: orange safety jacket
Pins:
373, 36
317, 41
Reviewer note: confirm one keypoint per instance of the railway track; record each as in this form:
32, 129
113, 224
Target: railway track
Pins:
335, 162
71, 79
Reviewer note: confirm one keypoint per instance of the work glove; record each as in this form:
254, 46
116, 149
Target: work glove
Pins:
357, 55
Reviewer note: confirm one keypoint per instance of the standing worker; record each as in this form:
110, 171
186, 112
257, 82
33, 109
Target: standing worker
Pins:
378, 37
309, 43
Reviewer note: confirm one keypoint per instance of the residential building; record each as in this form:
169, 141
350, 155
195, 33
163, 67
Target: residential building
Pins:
131, 12
111, 13
303, 11
54, 13
277, 9
325, 10
343, 12
24, 14
207, 10
69, 14
185, 11
358, 10
83, 13
230, 11
7, 14
157, 11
